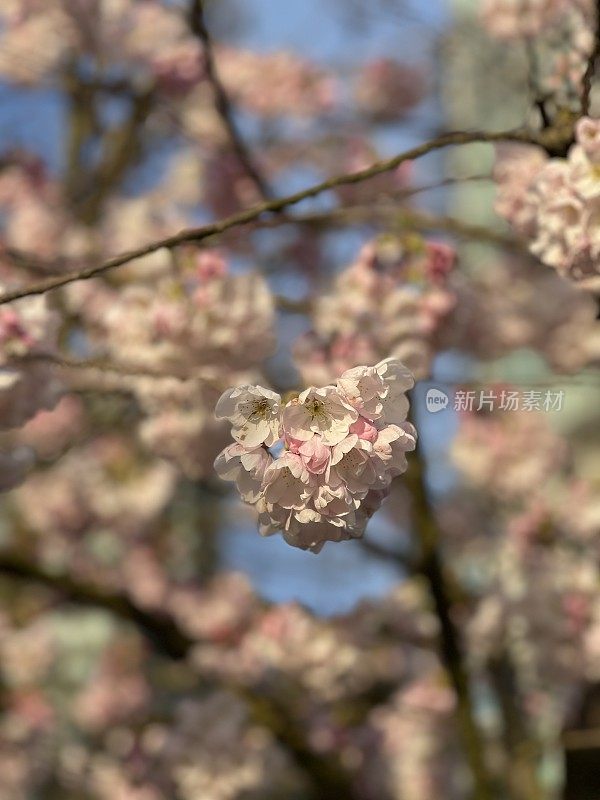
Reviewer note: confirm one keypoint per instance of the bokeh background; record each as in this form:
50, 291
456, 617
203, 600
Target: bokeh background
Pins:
152, 645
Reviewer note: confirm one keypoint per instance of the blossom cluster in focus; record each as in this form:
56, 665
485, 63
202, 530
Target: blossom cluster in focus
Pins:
317, 467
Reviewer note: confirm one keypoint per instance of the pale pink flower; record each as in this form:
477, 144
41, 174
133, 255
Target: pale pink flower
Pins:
584, 174
246, 468
286, 482
557, 207
314, 453
398, 380
319, 411
364, 429
353, 468
364, 388
392, 444
254, 413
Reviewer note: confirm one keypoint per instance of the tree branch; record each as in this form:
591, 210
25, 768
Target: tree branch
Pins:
328, 778
122, 146
222, 103
450, 641
551, 138
405, 218
523, 751
591, 67
160, 630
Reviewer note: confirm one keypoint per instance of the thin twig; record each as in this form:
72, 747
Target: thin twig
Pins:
195, 235
401, 217
222, 102
109, 367
538, 98
30, 262
401, 560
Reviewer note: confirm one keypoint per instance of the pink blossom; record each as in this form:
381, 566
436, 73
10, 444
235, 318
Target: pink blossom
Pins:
559, 209
364, 429
314, 453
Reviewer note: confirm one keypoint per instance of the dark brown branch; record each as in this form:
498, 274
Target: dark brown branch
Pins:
327, 776
348, 215
401, 560
222, 102
450, 641
160, 630
523, 751
590, 70
122, 147
549, 139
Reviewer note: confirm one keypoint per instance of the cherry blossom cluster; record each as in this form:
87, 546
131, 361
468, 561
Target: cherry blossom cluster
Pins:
276, 84
178, 343
32, 206
317, 467
101, 485
391, 301
494, 452
149, 39
555, 203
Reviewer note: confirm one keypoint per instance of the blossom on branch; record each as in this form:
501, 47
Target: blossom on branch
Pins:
391, 301
555, 204
177, 345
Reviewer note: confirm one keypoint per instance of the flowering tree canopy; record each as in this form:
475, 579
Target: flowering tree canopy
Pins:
329, 270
